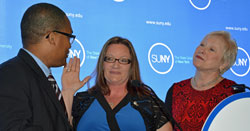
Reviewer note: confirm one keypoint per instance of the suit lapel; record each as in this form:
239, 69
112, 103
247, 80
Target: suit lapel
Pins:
44, 84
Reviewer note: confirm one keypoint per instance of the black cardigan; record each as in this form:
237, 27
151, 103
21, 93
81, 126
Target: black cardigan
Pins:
150, 107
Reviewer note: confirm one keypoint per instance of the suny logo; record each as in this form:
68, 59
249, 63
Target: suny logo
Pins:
160, 58
241, 66
118, 0
200, 4
77, 49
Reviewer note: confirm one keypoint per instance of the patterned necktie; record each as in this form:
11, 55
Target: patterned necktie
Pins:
57, 91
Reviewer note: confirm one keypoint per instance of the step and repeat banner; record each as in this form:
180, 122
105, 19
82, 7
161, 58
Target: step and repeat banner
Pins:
165, 33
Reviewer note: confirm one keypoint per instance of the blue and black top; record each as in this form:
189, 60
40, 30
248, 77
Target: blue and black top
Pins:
92, 112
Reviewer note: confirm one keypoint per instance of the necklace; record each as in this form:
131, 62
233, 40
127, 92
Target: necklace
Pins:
111, 104
206, 84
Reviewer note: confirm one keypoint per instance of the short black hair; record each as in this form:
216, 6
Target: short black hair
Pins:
38, 20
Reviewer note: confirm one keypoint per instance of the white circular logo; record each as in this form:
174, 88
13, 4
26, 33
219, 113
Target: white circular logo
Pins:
159, 58
240, 63
77, 50
118, 0
200, 8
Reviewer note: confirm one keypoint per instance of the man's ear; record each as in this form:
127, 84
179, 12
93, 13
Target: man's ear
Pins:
51, 38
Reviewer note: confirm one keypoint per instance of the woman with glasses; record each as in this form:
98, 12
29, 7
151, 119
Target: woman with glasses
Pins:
114, 102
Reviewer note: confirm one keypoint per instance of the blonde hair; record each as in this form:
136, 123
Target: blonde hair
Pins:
231, 48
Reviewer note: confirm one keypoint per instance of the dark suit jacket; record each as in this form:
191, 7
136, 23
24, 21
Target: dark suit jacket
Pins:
27, 100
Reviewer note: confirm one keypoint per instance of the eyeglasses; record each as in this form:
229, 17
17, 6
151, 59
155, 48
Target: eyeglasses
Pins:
113, 60
71, 37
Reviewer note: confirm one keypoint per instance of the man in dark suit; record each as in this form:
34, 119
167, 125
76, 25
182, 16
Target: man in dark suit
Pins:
27, 100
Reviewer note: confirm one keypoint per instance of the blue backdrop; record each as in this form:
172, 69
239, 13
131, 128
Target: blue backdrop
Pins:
164, 33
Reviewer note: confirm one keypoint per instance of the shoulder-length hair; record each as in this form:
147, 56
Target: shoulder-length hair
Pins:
134, 73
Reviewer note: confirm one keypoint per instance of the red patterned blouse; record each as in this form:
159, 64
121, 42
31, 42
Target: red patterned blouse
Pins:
190, 107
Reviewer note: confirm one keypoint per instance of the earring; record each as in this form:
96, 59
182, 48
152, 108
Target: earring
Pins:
220, 70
